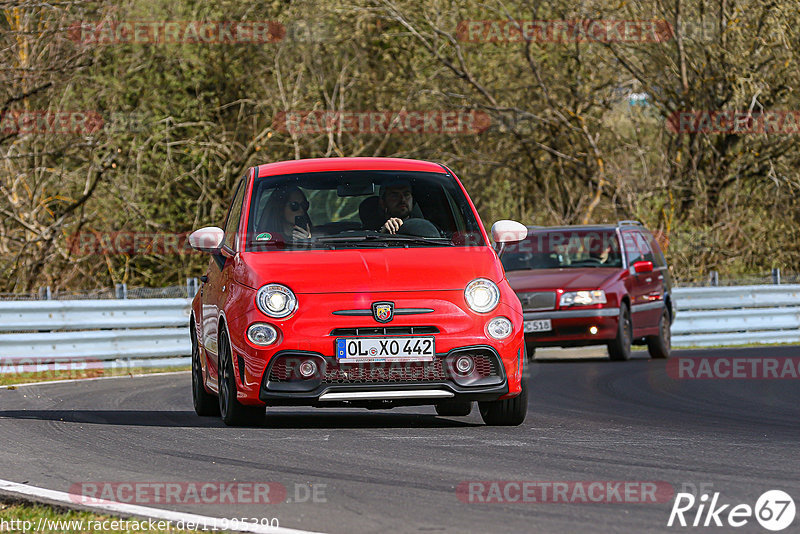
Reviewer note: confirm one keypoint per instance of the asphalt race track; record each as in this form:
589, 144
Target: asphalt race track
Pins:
397, 471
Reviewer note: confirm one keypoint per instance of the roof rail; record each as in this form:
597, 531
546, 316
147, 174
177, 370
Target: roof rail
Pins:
629, 223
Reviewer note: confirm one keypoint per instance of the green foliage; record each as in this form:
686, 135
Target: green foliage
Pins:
185, 120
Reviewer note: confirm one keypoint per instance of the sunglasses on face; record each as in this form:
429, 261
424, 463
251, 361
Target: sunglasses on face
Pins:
295, 206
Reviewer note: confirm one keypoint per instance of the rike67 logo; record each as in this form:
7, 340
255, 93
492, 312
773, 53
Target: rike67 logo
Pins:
774, 510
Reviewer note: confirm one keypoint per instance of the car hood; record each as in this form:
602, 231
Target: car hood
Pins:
567, 279
370, 270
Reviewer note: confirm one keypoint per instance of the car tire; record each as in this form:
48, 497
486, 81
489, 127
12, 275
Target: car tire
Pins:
507, 412
454, 408
620, 348
233, 413
660, 345
205, 404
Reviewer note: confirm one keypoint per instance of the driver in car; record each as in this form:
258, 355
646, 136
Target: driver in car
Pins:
602, 250
397, 202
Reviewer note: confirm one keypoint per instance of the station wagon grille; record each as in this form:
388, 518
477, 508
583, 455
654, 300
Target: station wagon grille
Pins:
540, 300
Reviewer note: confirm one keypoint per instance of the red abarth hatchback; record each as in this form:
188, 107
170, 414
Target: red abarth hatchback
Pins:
363, 282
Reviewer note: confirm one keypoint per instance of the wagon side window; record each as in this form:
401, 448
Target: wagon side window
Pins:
647, 254
632, 251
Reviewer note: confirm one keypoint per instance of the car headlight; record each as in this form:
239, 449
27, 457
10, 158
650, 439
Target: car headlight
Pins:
583, 298
482, 295
276, 300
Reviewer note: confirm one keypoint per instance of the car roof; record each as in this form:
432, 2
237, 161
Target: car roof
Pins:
347, 164
607, 226
575, 227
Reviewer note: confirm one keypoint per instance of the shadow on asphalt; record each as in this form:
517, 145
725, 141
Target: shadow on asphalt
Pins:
636, 356
188, 419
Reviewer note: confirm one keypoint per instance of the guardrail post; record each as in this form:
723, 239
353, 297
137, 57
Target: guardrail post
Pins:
713, 278
45, 293
191, 287
776, 275
122, 291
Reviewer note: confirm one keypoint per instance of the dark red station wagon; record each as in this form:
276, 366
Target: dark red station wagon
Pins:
592, 285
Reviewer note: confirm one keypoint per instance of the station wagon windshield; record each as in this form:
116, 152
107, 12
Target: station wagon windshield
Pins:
564, 249
346, 209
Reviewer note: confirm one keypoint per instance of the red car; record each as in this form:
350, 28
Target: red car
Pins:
363, 282
593, 285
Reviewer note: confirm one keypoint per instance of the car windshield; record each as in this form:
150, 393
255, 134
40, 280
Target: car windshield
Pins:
564, 249
346, 209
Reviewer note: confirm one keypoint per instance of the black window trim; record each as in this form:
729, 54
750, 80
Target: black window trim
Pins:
242, 182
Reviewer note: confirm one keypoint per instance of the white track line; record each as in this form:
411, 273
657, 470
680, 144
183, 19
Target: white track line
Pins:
118, 508
68, 380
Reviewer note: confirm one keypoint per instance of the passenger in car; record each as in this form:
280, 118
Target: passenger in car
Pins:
286, 207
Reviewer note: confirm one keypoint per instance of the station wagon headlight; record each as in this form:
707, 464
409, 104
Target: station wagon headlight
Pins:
276, 300
482, 295
583, 298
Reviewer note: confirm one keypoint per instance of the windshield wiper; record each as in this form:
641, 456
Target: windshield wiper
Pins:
384, 238
333, 240
418, 239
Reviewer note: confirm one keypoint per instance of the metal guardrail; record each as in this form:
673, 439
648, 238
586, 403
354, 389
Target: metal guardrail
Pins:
715, 298
154, 332
20, 315
736, 315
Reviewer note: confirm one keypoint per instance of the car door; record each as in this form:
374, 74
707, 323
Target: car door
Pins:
660, 266
652, 286
213, 291
635, 281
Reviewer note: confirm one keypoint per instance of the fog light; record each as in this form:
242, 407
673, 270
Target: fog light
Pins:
465, 365
262, 334
308, 368
593, 330
499, 328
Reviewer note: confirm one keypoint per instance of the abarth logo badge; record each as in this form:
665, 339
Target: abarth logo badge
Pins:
383, 312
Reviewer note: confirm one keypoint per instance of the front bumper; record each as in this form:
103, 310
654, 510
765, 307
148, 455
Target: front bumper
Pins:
392, 384
571, 328
313, 330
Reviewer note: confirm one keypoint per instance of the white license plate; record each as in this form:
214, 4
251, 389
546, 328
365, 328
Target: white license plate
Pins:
393, 349
539, 325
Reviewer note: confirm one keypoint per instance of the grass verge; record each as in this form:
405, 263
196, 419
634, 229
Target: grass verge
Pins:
25, 377
25, 517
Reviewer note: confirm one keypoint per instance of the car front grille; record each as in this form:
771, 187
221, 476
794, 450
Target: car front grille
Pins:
438, 370
540, 300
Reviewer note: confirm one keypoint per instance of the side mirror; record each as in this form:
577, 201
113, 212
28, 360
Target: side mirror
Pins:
643, 267
208, 239
506, 231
